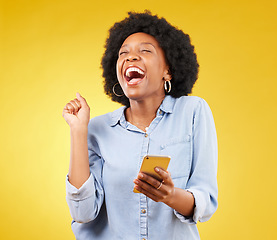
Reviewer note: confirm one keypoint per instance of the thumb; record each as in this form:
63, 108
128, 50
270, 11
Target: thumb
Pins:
82, 100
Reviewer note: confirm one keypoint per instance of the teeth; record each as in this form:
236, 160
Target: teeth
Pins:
133, 69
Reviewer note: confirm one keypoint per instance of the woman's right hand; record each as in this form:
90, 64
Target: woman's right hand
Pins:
77, 112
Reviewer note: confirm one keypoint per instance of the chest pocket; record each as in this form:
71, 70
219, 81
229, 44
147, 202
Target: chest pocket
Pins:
180, 151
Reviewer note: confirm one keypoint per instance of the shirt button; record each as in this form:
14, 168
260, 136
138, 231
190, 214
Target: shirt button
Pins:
160, 112
143, 211
143, 239
146, 135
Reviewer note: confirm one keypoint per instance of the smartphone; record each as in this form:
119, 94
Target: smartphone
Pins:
150, 162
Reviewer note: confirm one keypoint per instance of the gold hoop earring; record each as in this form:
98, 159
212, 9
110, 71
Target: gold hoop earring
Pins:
167, 88
118, 95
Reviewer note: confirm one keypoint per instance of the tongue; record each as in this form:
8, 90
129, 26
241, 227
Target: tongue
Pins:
134, 80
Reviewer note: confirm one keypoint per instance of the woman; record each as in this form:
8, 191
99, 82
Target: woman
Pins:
150, 67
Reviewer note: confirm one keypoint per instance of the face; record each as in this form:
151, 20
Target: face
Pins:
141, 67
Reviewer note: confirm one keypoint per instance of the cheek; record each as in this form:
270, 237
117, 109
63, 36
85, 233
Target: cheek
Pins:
118, 67
157, 67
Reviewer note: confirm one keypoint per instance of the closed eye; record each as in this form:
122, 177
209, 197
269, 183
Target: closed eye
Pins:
146, 50
122, 52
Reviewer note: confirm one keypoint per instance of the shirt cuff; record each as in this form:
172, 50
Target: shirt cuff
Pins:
84, 192
199, 208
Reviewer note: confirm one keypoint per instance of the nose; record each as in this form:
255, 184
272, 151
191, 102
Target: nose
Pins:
132, 57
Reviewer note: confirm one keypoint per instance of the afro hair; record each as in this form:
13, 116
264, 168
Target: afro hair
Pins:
179, 53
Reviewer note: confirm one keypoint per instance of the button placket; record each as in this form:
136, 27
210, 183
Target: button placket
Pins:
143, 199
143, 216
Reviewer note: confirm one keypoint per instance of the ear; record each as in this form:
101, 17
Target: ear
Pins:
167, 75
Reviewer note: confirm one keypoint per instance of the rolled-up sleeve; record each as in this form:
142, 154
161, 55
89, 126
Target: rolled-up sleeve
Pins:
81, 200
202, 182
85, 203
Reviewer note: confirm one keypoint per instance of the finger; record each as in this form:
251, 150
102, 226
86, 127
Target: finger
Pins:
165, 175
82, 100
65, 111
150, 180
77, 102
147, 189
69, 108
75, 105
147, 194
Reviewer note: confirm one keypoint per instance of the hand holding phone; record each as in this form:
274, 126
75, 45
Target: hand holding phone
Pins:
150, 162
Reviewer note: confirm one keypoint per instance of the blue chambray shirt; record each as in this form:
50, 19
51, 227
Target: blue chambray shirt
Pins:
106, 207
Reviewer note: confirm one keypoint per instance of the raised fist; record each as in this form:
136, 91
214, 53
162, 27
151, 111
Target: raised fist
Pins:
77, 112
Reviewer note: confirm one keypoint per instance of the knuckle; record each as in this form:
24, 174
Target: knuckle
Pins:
69, 106
145, 177
165, 178
148, 188
77, 103
167, 192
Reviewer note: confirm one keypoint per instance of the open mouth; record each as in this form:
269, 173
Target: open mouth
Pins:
134, 75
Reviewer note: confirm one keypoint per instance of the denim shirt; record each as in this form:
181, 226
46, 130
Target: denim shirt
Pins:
105, 207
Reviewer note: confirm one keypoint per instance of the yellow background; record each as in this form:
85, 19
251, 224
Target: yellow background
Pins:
50, 49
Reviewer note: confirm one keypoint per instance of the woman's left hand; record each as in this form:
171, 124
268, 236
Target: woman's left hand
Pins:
154, 189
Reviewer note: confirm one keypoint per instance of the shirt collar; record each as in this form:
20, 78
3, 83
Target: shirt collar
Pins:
118, 116
168, 104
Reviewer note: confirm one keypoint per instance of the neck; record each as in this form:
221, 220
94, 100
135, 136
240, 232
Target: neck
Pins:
142, 113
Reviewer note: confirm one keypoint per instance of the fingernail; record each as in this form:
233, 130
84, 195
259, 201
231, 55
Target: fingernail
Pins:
136, 181
140, 175
157, 169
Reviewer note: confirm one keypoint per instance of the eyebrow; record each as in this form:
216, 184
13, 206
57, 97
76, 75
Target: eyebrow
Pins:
143, 43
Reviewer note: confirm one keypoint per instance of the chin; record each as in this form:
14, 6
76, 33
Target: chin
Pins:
134, 97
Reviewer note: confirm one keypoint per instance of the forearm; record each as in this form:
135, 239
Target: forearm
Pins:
79, 162
182, 201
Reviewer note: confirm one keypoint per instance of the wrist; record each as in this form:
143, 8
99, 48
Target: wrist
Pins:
79, 129
170, 200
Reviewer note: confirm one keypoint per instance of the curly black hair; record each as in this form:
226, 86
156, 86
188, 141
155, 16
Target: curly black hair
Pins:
179, 53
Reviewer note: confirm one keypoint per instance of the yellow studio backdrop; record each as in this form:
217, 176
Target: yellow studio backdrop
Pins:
52, 49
